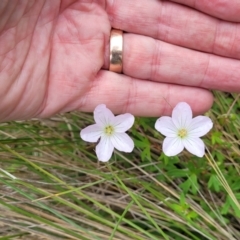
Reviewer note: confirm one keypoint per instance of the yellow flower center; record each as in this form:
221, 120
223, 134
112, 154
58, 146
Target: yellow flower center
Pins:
108, 130
182, 133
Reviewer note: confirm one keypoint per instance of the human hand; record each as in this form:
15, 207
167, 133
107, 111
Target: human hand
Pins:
54, 56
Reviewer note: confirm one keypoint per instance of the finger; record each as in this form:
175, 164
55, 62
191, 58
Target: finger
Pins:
176, 24
147, 58
223, 9
141, 98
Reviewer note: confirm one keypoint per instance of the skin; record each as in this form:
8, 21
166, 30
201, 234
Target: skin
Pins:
54, 55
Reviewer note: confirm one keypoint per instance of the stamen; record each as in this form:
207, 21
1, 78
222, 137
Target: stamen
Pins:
182, 133
108, 130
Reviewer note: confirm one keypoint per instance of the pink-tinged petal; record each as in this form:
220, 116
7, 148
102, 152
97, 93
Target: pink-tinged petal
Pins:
122, 142
166, 127
172, 146
195, 146
200, 126
123, 122
182, 115
102, 115
91, 133
104, 149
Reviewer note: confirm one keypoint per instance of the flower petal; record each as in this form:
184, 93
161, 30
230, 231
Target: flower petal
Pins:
123, 122
122, 142
182, 115
195, 146
104, 149
102, 115
166, 126
172, 146
200, 126
91, 133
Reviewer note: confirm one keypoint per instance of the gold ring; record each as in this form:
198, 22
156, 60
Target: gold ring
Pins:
116, 49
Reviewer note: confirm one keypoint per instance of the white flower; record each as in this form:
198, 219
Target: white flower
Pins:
111, 130
183, 131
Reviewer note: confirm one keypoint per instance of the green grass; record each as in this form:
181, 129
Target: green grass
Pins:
53, 187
